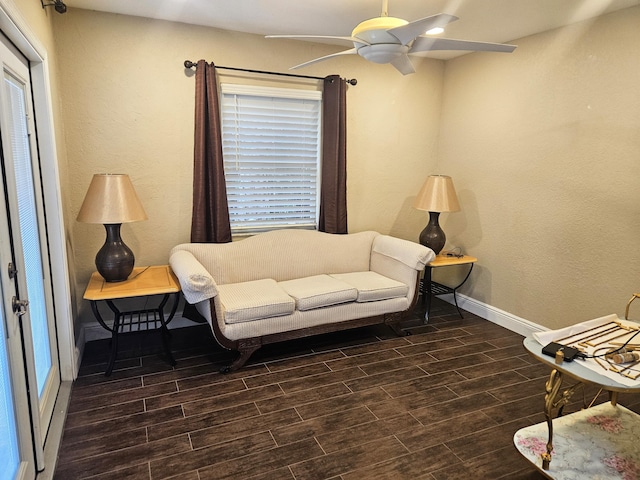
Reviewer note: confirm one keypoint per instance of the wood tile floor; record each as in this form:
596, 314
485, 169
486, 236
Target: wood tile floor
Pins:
440, 404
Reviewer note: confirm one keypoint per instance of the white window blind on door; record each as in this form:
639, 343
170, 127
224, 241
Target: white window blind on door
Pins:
29, 230
271, 149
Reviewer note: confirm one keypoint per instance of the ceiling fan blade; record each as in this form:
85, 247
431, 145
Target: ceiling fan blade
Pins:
344, 52
324, 37
403, 65
411, 30
425, 44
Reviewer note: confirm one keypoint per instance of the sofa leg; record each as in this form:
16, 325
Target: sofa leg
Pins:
393, 321
398, 331
246, 348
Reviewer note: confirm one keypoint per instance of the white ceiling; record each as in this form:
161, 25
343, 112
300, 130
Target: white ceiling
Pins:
482, 20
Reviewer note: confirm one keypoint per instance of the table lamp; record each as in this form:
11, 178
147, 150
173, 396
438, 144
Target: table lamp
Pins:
112, 201
436, 195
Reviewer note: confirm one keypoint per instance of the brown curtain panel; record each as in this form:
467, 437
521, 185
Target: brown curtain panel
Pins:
210, 217
333, 187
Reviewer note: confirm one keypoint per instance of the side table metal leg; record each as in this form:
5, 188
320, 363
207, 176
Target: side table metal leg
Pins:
426, 293
455, 290
114, 353
455, 300
164, 331
167, 349
117, 317
113, 330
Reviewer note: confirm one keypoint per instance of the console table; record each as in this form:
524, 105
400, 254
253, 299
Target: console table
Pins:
430, 287
594, 443
143, 282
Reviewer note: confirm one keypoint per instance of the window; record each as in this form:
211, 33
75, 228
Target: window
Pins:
271, 149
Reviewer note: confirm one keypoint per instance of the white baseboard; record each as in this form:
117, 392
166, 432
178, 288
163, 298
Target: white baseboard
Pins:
56, 430
79, 350
495, 315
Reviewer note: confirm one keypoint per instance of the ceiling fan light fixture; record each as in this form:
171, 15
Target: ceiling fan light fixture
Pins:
383, 53
434, 31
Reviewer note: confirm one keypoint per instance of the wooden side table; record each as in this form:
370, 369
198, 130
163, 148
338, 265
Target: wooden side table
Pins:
143, 281
430, 287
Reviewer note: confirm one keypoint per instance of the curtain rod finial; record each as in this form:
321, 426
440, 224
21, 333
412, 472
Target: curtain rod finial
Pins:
189, 64
352, 81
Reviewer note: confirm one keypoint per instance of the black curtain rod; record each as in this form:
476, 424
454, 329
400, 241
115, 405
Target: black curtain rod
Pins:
190, 64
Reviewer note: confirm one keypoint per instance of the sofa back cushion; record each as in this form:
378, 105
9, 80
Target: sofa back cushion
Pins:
284, 255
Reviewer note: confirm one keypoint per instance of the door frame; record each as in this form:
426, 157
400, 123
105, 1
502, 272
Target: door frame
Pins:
16, 29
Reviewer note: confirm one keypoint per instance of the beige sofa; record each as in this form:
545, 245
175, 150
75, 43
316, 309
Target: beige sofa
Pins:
288, 284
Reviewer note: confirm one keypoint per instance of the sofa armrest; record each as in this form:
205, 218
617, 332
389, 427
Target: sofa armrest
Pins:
196, 282
411, 254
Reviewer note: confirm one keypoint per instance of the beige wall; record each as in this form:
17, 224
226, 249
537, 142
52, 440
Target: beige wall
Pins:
544, 147
128, 108
542, 144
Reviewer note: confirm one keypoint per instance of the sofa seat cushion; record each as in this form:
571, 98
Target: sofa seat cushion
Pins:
372, 286
319, 291
247, 301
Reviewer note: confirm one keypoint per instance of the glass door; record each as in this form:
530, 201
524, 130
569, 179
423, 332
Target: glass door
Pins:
25, 254
16, 442
9, 446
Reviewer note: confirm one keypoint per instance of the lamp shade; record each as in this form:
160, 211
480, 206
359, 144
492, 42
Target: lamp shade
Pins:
437, 195
111, 199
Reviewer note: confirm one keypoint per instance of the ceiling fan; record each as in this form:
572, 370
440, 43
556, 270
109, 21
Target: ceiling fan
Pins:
386, 39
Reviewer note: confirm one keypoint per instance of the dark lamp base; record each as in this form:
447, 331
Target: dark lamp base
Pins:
433, 236
114, 260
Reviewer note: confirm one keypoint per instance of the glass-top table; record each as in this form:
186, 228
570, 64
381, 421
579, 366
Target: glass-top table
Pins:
578, 370
594, 443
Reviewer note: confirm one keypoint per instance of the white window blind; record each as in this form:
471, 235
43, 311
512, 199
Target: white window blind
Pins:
271, 149
29, 230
